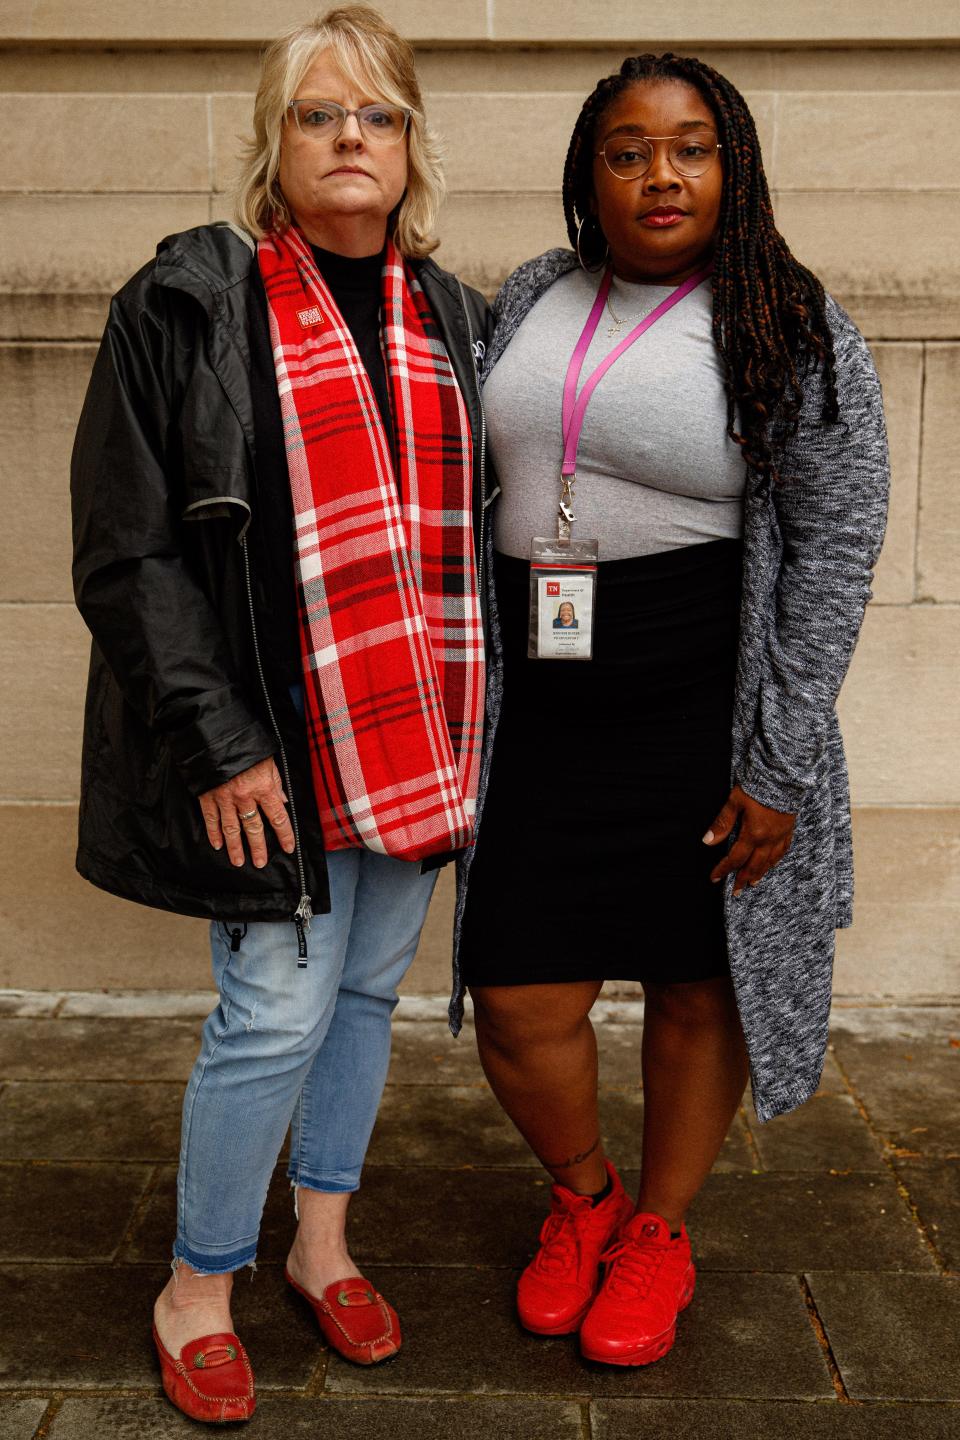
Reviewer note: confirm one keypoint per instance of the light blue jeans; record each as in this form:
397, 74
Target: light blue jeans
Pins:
304, 1050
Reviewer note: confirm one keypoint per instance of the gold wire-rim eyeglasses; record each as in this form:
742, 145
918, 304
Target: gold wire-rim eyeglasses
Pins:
646, 139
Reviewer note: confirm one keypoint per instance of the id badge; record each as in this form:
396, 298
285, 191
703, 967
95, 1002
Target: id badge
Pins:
563, 594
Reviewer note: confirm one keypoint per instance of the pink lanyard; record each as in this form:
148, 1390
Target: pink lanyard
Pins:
575, 406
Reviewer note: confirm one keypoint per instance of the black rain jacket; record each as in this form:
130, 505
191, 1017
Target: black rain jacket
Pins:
164, 489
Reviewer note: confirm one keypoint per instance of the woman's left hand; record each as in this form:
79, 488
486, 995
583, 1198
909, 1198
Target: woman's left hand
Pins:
764, 839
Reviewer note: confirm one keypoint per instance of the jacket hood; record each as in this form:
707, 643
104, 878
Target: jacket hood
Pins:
205, 261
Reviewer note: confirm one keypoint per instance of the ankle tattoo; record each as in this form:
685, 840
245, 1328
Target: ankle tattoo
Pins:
571, 1160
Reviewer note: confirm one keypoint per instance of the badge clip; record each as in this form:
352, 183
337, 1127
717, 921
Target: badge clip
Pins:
565, 515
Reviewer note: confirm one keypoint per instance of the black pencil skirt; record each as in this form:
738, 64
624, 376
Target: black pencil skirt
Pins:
589, 861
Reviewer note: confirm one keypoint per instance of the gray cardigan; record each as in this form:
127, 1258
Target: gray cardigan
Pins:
809, 551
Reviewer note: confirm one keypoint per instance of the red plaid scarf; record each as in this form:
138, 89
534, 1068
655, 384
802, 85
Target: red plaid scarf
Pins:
390, 628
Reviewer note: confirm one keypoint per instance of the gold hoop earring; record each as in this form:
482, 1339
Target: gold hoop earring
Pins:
591, 269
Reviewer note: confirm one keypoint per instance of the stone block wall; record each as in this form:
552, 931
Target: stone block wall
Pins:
122, 125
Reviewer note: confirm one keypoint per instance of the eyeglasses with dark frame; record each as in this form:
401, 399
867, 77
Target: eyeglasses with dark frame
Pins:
325, 119
629, 157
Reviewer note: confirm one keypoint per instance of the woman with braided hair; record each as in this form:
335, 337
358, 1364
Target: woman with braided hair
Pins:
689, 437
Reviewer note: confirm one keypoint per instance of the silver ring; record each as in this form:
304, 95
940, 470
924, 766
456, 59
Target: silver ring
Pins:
250, 815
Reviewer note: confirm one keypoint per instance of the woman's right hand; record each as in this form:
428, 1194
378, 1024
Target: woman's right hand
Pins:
237, 809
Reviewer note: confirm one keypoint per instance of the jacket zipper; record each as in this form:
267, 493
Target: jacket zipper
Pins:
304, 911
483, 444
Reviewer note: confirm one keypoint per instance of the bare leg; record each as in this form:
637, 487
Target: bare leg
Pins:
694, 1073
539, 1053
192, 1305
319, 1254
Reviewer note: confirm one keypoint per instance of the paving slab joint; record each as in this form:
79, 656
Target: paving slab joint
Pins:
823, 1340
890, 1161
139, 1212
928, 1240
48, 1417
317, 1384
586, 1422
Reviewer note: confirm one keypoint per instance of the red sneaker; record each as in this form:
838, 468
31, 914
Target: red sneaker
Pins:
649, 1279
556, 1289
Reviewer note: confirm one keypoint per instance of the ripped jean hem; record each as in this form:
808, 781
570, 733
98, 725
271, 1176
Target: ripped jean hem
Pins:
213, 1264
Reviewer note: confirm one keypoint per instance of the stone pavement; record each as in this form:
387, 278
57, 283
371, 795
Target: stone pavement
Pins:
828, 1245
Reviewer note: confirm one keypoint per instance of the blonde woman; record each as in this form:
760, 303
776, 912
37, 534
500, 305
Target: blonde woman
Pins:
277, 482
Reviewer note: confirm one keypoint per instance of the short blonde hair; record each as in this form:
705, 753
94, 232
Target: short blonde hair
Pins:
374, 58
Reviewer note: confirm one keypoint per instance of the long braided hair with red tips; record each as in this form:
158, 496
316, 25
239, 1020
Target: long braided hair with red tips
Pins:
769, 311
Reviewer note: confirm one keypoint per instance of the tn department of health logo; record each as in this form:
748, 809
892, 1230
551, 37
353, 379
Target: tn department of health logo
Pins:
313, 316
553, 587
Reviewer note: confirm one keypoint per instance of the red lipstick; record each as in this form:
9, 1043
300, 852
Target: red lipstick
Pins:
661, 216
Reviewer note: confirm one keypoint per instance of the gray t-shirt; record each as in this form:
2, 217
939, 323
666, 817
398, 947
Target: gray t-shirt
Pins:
656, 469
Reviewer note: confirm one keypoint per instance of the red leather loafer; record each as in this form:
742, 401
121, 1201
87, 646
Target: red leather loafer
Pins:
354, 1319
212, 1380
649, 1279
557, 1288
